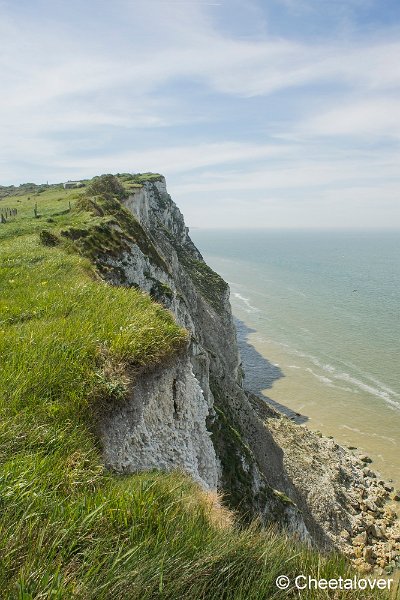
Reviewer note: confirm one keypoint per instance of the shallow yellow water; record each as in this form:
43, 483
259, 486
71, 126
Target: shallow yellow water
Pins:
335, 411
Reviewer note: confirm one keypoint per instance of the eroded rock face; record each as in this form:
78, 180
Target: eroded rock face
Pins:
179, 279
194, 414
339, 498
162, 425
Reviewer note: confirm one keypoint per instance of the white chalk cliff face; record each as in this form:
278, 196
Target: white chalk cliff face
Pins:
163, 426
188, 414
193, 413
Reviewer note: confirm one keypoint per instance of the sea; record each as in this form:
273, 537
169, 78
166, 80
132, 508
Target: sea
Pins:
318, 321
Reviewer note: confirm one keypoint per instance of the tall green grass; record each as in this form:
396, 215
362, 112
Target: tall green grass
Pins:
69, 529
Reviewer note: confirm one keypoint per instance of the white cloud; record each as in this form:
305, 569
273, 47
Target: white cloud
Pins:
377, 116
300, 168
71, 85
50, 81
175, 160
188, 47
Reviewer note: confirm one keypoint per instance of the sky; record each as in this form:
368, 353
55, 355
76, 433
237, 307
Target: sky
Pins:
260, 113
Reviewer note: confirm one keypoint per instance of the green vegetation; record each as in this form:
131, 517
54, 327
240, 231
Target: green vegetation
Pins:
69, 343
143, 177
21, 190
210, 285
160, 292
106, 229
136, 180
236, 458
108, 187
231, 450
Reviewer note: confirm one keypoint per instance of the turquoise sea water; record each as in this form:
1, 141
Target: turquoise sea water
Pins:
323, 309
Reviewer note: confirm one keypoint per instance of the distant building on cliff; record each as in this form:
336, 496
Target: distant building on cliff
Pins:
72, 184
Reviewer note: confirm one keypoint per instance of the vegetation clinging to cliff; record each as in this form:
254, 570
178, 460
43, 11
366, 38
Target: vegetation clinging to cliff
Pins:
210, 285
107, 228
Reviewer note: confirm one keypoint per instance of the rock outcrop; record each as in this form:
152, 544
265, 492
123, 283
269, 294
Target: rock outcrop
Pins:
194, 413
162, 426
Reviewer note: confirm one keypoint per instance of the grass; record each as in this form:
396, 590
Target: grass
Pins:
210, 285
68, 528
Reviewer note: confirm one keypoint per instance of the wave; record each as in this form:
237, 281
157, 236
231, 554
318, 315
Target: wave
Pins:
379, 391
246, 302
374, 434
385, 388
376, 382
368, 384
330, 382
321, 378
372, 386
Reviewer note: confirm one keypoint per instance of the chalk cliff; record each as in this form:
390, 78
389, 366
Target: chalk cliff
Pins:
193, 413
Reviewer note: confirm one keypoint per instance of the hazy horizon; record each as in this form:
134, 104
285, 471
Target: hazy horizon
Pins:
394, 229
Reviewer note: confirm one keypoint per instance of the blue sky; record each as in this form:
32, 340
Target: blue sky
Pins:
274, 113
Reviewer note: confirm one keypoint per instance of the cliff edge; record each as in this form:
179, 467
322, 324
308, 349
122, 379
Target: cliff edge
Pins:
193, 412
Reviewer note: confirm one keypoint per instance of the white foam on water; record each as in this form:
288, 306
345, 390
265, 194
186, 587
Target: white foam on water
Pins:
331, 383
321, 378
379, 392
375, 388
348, 389
246, 302
354, 429
375, 381
375, 435
385, 388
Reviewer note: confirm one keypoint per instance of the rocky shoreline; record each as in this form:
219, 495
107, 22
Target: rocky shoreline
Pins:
374, 540
348, 500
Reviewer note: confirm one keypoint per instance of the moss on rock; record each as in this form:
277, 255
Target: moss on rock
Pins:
210, 285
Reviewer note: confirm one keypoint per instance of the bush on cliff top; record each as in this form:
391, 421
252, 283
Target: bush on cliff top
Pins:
68, 528
107, 186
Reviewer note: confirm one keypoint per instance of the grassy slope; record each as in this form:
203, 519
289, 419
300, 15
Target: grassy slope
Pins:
68, 529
